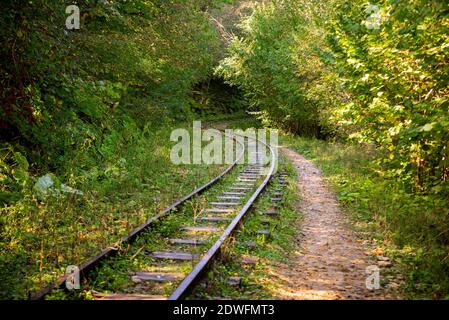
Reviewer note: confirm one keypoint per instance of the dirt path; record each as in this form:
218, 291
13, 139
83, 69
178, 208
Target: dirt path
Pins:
330, 263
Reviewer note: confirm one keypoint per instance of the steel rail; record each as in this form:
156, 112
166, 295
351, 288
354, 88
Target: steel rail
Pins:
193, 277
112, 250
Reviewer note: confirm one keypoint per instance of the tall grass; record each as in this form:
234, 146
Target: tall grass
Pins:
135, 180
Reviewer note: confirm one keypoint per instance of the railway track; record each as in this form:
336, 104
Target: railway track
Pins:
168, 264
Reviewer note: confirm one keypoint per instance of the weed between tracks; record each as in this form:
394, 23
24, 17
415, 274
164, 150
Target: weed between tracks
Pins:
113, 275
42, 237
248, 255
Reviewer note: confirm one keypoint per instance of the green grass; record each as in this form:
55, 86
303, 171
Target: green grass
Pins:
41, 237
112, 275
410, 228
256, 281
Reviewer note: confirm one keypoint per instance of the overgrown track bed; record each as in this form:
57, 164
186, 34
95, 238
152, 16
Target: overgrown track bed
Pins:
167, 262
268, 238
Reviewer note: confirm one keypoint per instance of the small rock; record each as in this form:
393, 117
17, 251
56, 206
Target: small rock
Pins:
249, 260
136, 279
264, 232
385, 264
250, 244
382, 258
394, 285
234, 281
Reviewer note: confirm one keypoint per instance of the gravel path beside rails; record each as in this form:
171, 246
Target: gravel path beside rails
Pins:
329, 262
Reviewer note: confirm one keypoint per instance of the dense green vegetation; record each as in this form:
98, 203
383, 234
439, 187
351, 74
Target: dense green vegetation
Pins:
250, 256
93, 109
398, 79
328, 70
130, 63
277, 63
372, 74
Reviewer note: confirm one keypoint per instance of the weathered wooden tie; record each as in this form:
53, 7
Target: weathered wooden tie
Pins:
219, 210
234, 193
225, 204
173, 255
270, 212
199, 228
187, 241
243, 185
246, 180
156, 276
229, 197
216, 219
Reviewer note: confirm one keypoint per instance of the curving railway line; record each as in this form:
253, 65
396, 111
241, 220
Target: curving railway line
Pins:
174, 267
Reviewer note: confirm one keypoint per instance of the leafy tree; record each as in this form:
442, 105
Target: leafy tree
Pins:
279, 64
397, 75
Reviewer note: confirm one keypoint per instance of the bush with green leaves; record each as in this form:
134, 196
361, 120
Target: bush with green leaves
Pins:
279, 63
375, 74
92, 109
396, 73
66, 93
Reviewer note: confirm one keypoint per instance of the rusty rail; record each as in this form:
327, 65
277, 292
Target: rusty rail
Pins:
192, 278
112, 250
